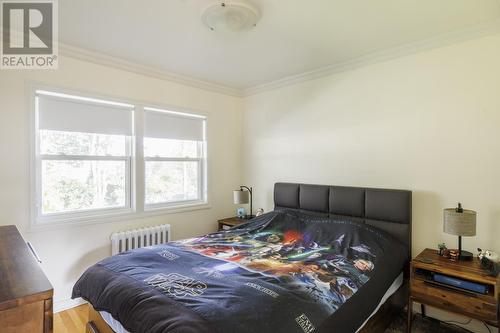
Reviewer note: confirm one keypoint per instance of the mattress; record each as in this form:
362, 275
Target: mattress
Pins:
112, 322
118, 328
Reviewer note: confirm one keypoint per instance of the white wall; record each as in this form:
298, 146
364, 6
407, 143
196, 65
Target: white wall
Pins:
428, 122
66, 252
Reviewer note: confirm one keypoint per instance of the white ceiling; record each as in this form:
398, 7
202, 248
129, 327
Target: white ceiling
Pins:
293, 36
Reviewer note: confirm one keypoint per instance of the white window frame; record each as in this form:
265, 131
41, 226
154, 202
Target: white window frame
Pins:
201, 159
86, 213
135, 206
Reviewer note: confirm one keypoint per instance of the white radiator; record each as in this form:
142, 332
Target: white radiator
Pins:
133, 239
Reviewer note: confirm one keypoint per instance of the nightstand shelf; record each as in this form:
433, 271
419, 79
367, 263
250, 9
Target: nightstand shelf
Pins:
474, 305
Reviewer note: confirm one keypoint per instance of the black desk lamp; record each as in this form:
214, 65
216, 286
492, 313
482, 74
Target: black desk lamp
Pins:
243, 196
460, 222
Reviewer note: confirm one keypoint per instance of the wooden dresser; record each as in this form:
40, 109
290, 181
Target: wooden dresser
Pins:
25, 291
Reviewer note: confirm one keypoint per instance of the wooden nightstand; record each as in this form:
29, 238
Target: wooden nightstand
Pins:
225, 224
424, 290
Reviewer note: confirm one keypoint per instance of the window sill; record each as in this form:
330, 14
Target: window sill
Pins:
123, 215
173, 209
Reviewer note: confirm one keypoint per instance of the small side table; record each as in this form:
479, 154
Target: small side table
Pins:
230, 222
426, 291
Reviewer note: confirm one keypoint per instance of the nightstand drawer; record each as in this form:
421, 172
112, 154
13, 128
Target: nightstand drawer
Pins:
479, 306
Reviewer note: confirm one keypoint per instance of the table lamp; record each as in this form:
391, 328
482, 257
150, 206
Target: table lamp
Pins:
460, 222
243, 196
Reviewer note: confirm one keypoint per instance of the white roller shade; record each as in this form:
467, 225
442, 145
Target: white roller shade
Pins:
166, 125
74, 115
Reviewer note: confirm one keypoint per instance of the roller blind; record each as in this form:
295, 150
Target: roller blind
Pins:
75, 115
167, 125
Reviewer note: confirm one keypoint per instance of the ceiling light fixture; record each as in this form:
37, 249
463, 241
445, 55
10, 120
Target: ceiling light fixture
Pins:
231, 16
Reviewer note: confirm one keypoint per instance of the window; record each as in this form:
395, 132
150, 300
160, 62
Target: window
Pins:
86, 155
174, 158
83, 155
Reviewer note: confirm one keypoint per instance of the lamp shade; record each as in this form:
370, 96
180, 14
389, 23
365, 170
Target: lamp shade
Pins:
459, 223
241, 197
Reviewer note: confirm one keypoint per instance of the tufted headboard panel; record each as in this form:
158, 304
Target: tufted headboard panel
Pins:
389, 210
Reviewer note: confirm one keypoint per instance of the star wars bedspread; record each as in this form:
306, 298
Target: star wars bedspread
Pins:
281, 272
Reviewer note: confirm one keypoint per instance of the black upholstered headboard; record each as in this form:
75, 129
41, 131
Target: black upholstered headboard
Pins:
389, 210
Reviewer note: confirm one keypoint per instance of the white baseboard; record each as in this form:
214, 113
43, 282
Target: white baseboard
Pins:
68, 304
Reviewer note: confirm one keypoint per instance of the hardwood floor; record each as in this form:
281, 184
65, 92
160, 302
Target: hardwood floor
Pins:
72, 320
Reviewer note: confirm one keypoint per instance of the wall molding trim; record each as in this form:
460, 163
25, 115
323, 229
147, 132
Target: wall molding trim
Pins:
68, 304
473, 32
119, 63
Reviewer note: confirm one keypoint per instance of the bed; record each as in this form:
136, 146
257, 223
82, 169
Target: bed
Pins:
328, 258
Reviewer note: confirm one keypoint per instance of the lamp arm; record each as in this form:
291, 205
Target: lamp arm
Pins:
249, 189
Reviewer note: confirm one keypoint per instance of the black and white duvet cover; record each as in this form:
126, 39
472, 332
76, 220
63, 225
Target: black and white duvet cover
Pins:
281, 272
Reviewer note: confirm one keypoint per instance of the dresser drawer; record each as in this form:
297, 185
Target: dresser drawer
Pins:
25, 318
482, 307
